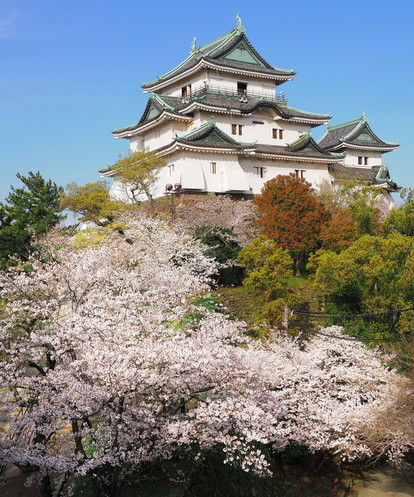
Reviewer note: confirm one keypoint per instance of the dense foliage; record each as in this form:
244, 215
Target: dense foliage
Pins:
138, 173
31, 210
116, 359
109, 367
91, 202
291, 215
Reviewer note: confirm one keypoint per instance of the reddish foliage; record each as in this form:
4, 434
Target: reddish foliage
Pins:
339, 232
291, 213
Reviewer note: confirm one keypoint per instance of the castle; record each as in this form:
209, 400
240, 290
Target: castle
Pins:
222, 125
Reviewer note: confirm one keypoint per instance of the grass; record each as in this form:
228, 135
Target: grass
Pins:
241, 304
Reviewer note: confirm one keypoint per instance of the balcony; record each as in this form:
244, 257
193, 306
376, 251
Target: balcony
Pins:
247, 96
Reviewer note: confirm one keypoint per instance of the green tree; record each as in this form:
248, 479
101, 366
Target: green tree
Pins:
223, 247
401, 219
291, 215
362, 200
91, 202
138, 172
268, 268
374, 274
29, 211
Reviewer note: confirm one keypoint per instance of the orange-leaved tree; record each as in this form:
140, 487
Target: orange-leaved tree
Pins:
291, 215
339, 231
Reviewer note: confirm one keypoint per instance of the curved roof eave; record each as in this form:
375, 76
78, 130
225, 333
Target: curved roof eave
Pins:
137, 128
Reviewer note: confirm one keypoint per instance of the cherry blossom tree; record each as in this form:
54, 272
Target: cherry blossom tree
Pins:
107, 366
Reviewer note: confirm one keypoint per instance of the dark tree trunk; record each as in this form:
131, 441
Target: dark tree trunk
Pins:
46, 488
298, 262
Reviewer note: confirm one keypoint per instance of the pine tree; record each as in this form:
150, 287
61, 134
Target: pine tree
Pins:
31, 210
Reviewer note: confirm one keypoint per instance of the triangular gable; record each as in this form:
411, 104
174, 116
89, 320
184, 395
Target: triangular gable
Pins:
306, 144
213, 136
151, 112
208, 133
242, 53
310, 148
364, 134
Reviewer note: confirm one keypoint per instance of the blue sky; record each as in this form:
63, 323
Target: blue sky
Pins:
70, 71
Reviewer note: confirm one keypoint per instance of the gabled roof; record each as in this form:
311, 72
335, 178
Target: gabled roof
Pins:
354, 134
232, 51
158, 108
306, 144
209, 135
236, 105
376, 175
166, 106
304, 148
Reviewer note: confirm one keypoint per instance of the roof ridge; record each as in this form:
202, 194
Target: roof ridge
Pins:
342, 125
191, 56
307, 138
223, 39
307, 112
211, 123
361, 123
160, 100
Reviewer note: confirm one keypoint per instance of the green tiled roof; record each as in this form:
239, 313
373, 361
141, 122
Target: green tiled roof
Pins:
209, 134
376, 175
156, 105
357, 133
232, 50
306, 144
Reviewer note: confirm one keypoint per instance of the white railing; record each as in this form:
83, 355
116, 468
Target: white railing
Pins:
246, 96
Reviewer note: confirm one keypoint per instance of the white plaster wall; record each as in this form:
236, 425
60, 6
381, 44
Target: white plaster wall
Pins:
233, 174
226, 82
315, 173
262, 133
351, 158
193, 171
158, 136
255, 85
195, 80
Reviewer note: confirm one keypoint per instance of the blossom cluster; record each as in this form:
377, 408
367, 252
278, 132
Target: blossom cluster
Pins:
105, 369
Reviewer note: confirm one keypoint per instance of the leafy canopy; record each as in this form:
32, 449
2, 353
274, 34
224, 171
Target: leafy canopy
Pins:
91, 201
401, 219
31, 210
291, 214
268, 266
138, 172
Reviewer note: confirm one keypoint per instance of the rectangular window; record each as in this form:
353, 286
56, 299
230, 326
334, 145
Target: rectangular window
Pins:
258, 122
170, 169
300, 173
259, 171
360, 160
241, 87
186, 91
213, 167
277, 134
366, 161
235, 128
